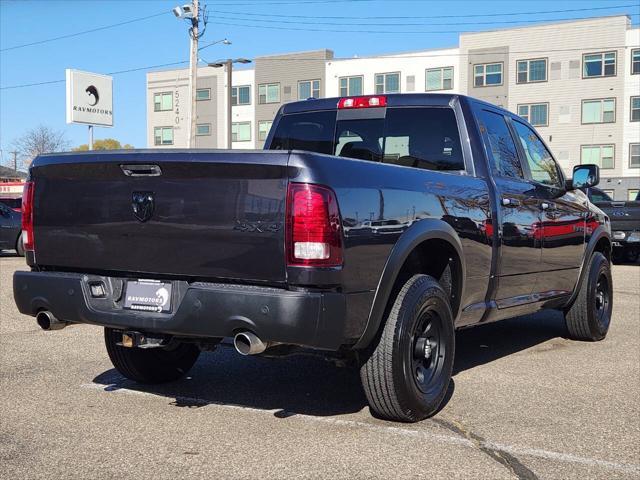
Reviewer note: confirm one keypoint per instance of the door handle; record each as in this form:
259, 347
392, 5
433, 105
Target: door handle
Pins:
547, 206
141, 170
510, 202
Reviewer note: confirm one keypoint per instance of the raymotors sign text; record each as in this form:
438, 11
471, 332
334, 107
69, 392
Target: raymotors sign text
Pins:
89, 98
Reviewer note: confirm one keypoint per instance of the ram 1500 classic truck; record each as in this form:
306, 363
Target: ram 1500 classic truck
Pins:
625, 223
369, 228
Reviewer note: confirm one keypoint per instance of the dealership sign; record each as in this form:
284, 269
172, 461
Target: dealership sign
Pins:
89, 98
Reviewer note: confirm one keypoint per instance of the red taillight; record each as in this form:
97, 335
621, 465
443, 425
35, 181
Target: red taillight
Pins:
27, 216
363, 102
313, 226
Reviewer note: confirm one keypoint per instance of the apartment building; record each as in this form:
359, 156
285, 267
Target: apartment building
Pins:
578, 82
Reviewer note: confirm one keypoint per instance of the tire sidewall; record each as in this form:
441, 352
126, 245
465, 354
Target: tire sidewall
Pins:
599, 266
422, 297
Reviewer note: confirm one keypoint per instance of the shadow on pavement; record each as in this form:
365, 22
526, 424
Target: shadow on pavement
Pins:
311, 386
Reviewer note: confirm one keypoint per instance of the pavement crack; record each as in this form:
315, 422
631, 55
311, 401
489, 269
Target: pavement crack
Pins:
505, 459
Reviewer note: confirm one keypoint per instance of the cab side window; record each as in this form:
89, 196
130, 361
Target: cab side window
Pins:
541, 164
505, 156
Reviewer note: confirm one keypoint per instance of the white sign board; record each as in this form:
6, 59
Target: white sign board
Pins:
89, 98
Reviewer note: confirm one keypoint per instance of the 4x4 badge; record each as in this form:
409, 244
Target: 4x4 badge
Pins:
143, 205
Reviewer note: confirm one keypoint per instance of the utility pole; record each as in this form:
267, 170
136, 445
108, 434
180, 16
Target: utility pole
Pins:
193, 73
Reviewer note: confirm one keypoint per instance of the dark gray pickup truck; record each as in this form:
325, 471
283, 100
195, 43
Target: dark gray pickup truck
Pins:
369, 230
625, 224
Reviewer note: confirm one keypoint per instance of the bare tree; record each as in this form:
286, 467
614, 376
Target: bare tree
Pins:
39, 140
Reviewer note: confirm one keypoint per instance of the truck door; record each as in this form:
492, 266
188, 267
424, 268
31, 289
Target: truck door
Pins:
563, 214
518, 213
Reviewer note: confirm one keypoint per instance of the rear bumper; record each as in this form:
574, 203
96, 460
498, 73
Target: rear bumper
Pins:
321, 320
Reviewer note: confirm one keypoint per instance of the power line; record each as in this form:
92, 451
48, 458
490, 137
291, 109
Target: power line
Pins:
371, 57
403, 24
84, 32
386, 17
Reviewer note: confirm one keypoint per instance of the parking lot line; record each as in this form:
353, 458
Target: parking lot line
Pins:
393, 430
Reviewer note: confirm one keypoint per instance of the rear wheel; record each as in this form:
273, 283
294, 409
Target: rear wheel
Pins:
20, 246
590, 315
151, 365
407, 373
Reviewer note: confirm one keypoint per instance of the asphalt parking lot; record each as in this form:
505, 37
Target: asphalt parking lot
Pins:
525, 403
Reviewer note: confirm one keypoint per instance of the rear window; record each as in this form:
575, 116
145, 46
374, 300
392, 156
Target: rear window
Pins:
418, 137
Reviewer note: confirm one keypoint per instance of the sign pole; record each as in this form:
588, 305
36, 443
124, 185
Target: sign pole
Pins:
90, 137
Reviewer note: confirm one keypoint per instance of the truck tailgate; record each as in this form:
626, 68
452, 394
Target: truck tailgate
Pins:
214, 214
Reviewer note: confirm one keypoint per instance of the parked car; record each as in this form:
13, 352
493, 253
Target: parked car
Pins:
10, 230
625, 223
173, 250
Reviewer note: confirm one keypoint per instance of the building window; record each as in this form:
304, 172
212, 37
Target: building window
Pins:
439, 79
203, 94
599, 111
635, 109
599, 65
634, 155
632, 194
601, 155
163, 136
308, 89
263, 130
635, 61
351, 86
537, 114
162, 101
387, 83
203, 129
487, 74
241, 132
531, 71
269, 93
241, 95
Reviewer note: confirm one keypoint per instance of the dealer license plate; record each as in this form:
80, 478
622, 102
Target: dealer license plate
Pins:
148, 296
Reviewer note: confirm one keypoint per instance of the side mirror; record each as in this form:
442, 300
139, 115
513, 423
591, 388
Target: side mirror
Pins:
585, 176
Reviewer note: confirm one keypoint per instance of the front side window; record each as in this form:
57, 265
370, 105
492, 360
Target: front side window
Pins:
503, 149
487, 74
241, 132
163, 136
308, 89
634, 155
263, 130
635, 109
531, 71
269, 93
203, 94
542, 166
599, 111
203, 129
599, 65
241, 95
439, 79
597, 195
601, 155
351, 86
635, 61
162, 101
537, 114
387, 83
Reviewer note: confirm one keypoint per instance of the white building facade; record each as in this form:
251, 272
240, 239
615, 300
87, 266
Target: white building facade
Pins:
577, 82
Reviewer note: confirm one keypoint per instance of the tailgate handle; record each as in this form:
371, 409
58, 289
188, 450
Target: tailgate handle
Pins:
141, 170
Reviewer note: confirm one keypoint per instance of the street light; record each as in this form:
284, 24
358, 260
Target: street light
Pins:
228, 64
224, 41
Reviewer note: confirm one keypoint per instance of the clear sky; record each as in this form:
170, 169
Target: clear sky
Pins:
292, 26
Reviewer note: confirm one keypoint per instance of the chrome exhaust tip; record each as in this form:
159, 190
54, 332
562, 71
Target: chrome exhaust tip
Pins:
246, 343
48, 321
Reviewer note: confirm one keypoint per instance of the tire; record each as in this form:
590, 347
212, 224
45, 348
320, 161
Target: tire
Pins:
153, 365
590, 315
399, 380
20, 246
